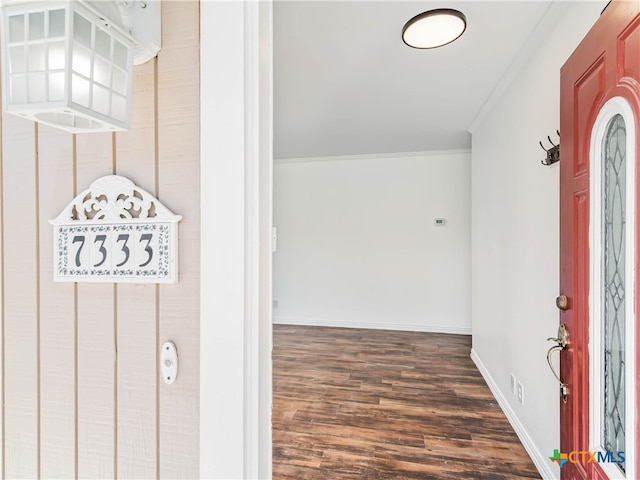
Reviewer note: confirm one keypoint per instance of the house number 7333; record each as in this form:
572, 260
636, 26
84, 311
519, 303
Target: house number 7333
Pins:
115, 231
122, 241
135, 252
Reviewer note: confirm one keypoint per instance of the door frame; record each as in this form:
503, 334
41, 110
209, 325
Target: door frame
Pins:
236, 163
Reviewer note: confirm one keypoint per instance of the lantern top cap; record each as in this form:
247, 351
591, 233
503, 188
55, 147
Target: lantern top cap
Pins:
135, 22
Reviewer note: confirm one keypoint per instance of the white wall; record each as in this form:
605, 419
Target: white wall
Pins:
515, 237
357, 245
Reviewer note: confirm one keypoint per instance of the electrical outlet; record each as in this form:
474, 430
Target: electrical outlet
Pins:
520, 393
275, 303
513, 384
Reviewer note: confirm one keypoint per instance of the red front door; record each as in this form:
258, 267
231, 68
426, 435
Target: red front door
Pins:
605, 66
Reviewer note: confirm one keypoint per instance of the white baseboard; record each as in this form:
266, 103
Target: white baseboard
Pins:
373, 325
542, 462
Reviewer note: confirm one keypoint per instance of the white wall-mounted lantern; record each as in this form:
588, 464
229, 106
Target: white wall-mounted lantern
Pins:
69, 64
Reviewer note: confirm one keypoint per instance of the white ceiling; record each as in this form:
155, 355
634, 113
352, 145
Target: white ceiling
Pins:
346, 84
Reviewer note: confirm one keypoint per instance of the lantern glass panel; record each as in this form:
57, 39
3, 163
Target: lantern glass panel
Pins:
81, 60
36, 57
37, 88
100, 100
56, 24
17, 57
36, 26
119, 81
103, 43
56, 56
118, 107
16, 28
18, 89
56, 87
101, 71
80, 91
82, 30
120, 54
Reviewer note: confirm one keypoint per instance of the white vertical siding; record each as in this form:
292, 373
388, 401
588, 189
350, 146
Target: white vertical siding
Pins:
20, 262
137, 313
57, 314
80, 377
96, 341
178, 186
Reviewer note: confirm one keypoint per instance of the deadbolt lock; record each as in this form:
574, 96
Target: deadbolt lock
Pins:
562, 302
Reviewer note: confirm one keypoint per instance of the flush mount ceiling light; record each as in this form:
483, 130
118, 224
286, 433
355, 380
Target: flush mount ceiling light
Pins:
69, 64
434, 28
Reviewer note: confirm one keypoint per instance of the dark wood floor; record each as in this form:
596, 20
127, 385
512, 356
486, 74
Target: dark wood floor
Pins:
378, 404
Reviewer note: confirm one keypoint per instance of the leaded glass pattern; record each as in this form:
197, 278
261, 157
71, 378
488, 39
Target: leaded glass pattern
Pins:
614, 197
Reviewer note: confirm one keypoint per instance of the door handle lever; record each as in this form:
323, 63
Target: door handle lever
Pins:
563, 386
555, 348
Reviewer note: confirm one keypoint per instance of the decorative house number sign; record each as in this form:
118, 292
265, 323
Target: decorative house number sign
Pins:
115, 232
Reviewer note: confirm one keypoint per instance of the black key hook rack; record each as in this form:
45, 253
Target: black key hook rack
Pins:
553, 153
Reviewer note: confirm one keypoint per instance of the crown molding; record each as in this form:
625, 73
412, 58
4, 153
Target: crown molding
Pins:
374, 156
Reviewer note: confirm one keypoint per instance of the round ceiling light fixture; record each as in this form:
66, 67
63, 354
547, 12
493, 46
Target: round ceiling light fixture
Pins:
434, 28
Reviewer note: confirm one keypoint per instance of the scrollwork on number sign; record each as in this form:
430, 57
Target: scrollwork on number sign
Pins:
116, 232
